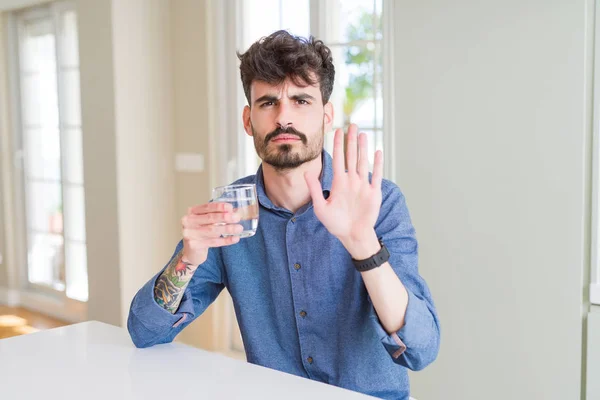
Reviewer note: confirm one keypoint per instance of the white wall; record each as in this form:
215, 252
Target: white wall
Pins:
100, 160
3, 265
144, 121
144, 94
5, 167
128, 148
493, 156
593, 354
193, 123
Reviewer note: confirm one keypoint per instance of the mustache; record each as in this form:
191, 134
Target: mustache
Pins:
289, 130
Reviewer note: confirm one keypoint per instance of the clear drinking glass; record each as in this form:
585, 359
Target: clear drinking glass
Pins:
245, 203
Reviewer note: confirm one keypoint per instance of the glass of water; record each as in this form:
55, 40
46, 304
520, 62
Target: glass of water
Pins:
245, 204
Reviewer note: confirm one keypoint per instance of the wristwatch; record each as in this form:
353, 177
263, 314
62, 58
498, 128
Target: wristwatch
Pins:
374, 261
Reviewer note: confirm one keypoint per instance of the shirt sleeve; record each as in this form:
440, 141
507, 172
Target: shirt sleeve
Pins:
416, 344
149, 323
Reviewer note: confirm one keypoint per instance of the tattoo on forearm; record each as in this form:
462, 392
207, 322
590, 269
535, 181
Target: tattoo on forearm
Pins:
171, 284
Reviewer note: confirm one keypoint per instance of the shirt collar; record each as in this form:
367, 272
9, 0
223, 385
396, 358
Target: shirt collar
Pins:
326, 179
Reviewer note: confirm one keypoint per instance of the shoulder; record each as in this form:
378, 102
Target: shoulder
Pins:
393, 202
390, 191
394, 219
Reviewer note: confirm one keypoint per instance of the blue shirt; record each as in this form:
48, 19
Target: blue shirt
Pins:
301, 305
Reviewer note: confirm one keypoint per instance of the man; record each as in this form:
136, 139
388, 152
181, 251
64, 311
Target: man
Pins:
328, 287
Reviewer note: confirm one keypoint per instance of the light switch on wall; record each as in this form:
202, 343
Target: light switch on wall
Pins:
189, 162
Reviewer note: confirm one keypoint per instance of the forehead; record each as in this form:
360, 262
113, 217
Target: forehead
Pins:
286, 88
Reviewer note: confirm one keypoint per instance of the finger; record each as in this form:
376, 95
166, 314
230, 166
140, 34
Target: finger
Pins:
338, 153
316, 191
216, 242
195, 221
351, 149
363, 160
212, 231
377, 170
215, 206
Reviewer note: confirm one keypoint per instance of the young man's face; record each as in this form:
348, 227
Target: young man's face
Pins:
287, 123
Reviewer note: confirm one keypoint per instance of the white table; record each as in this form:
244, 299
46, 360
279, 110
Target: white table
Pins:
93, 360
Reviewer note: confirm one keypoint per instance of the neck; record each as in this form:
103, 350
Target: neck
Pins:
288, 189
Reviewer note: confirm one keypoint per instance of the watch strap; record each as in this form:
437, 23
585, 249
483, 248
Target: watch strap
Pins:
376, 260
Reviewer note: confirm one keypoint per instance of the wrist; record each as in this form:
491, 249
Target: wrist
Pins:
363, 246
194, 259
188, 265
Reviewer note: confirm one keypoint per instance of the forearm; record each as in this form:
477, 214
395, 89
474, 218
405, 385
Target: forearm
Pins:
171, 284
387, 293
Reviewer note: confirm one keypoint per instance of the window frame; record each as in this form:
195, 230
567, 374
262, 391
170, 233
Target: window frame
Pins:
31, 295
320, 10
595, 236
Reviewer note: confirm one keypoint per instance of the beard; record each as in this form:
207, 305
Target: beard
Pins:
283, 156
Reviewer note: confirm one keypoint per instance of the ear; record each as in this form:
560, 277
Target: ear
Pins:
328, 117
247, 122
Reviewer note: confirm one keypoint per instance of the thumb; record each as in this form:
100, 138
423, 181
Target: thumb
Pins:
315, 189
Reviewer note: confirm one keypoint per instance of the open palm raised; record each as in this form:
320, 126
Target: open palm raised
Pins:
352, 208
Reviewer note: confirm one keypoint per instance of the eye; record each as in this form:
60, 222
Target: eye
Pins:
266, 104
303, 102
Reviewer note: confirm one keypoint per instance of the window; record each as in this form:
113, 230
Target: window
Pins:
352, 29
261, 18
354, 33
49, 150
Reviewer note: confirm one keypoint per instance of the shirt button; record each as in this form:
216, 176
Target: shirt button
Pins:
303, 314
297, 266
310, 360
294, 219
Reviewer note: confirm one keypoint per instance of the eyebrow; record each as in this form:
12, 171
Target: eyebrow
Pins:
302, 96
265, 98
270, 97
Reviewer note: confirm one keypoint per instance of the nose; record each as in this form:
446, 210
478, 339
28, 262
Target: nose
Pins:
284, 126
284, 117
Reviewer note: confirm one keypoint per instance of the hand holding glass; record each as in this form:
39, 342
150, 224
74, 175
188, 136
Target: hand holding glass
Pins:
245, 204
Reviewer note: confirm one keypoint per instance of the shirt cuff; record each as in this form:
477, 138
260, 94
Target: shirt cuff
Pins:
413, 334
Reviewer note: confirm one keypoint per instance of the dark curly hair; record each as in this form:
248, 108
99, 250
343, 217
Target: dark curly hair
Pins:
280, 55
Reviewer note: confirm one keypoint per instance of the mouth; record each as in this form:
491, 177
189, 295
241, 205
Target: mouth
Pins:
283, 138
